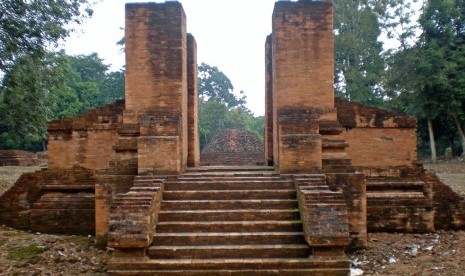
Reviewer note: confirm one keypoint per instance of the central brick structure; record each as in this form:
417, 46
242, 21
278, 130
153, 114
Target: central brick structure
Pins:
129, 172
156, 85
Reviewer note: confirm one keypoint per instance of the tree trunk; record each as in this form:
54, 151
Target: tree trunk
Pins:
432, 143
460, 130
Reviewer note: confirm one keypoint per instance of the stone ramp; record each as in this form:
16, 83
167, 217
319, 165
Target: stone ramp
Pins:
228, 222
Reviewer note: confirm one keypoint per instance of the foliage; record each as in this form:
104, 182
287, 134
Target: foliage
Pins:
112, 87
27, 253
27, 28
39, 89
220, 108
214, 85
24, 108
426, 79
359, 66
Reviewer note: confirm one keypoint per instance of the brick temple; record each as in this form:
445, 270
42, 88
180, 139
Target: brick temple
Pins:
129, 172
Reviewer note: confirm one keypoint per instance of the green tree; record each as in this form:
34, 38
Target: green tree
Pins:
112, 87
214, 85
220, 108
428, 78
359, 66
24, 103
29, 27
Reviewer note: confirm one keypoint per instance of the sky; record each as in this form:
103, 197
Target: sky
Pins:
230, 34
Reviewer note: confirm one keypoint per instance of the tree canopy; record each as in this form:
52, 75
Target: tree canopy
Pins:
27, 28
220, 107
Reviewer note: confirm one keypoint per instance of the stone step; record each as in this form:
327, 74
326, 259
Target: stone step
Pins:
339, 161
338, 168
230, 169
238, 178
395, 194
229, 215
229, 251
230, 272
229, 174
233, 184
226, 194
229, 226
332, 265
228, 238
334, 143
229, 204
68, 187
395, 185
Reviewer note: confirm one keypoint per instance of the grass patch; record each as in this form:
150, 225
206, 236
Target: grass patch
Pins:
27, 253
81, 241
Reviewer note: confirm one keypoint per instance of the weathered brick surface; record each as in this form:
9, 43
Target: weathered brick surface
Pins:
85, 140
377, 137
301, 81
106, 186
449, 207
193, 156
64, 213
157, 84
242, 224
323, 212
159, 154
353, 187
53, 201
233, 147
303, 54
381, 147
269, 159
300, 148
140, 205
353, 114
155, 56
18, 158
399, 205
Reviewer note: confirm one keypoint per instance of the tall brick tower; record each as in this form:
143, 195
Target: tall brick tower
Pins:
300, 94
158, 77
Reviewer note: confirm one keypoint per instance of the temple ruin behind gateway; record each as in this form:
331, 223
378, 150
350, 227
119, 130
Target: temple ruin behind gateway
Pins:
129, 172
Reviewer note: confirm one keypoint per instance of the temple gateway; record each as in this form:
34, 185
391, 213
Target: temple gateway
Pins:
333, 170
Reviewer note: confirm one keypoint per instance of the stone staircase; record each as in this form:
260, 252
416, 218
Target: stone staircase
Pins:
228, 221
399, 204
335, 158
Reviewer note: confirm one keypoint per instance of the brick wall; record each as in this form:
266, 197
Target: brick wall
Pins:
156, 83
302, 80
303, 54
85, 140
268, 102
18, 158
377, 137
52, 201
353, 187
449, 207
193, 157
377, 147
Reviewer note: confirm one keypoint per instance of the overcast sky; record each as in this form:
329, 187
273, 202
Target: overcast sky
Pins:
230, 34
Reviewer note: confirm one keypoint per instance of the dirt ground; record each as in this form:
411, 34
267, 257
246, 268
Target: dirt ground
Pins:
439, 253
24, 253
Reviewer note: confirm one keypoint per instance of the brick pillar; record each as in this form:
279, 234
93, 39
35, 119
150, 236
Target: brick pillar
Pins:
156, 84
302, 80
268, 102
193, 156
